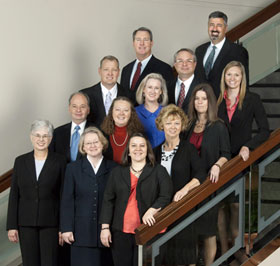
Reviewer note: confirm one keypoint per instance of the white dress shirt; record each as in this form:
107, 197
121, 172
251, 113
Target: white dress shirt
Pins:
187, 84
219, 47
81, 130
113, 91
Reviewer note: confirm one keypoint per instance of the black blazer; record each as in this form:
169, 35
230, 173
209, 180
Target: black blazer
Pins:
61, 141
154, 66
97, 108
229, 52
215, 143
81, 201
32, 202
171, 86
153, 190
240, 127
185, 166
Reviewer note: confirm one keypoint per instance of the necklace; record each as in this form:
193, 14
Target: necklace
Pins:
117, 144
200, 125
139, 171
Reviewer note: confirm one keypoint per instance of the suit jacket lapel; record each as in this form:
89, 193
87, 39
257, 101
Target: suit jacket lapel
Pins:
99, 99
187, 98
30, 165
225, 49
47, 165
125, 175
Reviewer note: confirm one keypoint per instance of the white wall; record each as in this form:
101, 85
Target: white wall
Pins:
51, 48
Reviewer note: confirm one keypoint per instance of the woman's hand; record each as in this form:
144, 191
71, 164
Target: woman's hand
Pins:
214, 173
60, 239
106, 237
148, 217
180, 194
13, 235
244, 153
68, 237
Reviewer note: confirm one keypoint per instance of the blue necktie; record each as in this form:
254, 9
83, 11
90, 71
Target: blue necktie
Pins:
75, 143
209, 61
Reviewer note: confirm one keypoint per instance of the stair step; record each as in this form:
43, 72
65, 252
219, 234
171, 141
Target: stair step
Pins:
267, 92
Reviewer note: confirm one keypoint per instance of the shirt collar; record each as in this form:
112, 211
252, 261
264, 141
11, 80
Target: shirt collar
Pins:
113, 91
219, 45
187, 82
144, 62
81, 125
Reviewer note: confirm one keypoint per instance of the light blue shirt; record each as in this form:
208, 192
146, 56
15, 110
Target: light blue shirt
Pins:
155, 136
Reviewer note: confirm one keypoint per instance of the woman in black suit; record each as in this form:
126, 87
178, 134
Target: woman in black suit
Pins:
33, 211
182, 162
84, 186
238, 107
210, 137
135, 192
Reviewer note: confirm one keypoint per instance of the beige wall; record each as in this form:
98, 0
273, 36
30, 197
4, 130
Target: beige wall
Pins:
51, 48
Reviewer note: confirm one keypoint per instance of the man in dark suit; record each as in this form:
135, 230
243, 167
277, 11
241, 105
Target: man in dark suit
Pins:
103, 93
213, 56
62, 140
180, 89
145, 63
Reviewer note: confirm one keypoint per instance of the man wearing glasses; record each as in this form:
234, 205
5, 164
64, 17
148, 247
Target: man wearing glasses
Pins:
180, 89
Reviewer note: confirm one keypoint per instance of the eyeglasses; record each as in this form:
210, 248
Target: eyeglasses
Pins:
181, 61
91, 143
38, 136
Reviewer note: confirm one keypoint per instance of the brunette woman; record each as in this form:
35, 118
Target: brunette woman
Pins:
152, 96
120, 123
135, 192
210, 137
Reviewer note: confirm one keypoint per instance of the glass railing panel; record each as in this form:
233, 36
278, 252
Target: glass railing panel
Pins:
184, 241
269, 190
264, 51
9, 252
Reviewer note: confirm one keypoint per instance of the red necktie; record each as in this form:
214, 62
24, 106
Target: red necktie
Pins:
181, 95
136, 76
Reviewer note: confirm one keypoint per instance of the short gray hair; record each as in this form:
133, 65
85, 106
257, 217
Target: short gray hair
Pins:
79, 93
41, 123
185, 50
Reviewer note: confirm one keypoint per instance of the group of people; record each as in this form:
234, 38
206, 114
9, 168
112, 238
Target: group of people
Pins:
132, 148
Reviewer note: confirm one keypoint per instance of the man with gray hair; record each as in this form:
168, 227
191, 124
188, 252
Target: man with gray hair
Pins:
66, 137
180, 88
213, 56
145, 63
104, 92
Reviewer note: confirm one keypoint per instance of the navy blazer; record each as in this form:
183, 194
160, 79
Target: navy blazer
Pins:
215, 143
240, 127
81, 201
154, 66
154, 189
32, 202
61, 141
97, 108
229, 52
171, 86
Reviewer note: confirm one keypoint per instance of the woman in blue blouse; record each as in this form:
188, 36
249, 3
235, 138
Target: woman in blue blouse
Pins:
151, 96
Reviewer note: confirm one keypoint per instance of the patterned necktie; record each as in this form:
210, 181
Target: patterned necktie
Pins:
136, 76
108, 102
181, 95
209, 61
75, 143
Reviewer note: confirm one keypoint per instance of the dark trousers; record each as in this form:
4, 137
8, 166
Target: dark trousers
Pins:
124, 249
39, 246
